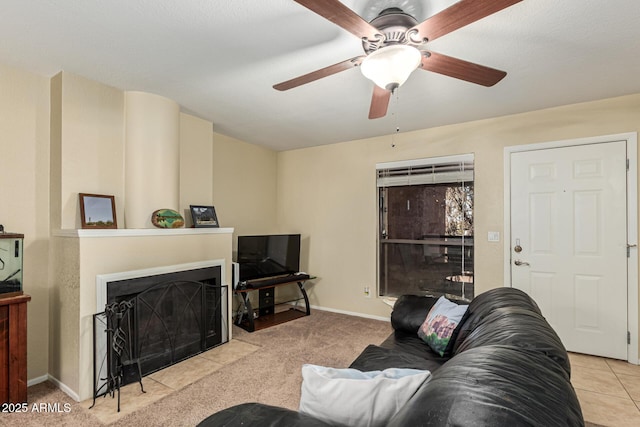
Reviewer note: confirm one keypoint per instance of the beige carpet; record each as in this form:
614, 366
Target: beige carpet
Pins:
270, 375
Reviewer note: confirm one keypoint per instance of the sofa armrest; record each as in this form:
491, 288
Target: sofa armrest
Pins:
483, 305
259, 415
409, 312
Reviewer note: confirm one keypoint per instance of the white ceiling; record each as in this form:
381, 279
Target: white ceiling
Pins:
219, 60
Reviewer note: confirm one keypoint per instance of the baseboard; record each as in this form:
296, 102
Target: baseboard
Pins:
352, 313
72, 394
62, 386
37, 380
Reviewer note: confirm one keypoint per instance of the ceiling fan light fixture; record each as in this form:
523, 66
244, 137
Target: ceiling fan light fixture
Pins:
389, 67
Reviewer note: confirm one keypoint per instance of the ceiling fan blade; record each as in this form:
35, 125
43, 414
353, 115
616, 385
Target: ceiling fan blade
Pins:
459, 69
336, 12
318, 74
457, 16
379, 102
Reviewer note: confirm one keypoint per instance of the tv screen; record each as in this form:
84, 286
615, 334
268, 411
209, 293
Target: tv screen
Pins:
268, 255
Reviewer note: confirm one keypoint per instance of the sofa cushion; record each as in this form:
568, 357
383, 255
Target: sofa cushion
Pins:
494, 386
442, 320
375, 358
410, 343
356, 398
483, 305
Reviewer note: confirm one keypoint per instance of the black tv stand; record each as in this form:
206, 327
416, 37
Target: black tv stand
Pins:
265, 316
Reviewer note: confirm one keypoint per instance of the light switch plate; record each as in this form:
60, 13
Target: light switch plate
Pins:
493, 236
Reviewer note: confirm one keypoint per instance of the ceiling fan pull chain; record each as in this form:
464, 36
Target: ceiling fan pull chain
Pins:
393, 113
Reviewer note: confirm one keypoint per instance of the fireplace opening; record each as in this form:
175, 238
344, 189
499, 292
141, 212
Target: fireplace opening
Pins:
162, 320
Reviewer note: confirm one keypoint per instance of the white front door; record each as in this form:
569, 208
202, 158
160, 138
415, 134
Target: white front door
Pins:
569, 242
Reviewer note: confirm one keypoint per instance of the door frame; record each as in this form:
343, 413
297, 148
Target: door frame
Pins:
631, 139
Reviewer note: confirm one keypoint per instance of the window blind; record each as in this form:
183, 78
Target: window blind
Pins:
437, 170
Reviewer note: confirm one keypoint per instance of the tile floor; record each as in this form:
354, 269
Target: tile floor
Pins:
608, 390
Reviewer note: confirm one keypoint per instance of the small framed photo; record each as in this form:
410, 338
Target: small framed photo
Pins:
97, 211
204, 216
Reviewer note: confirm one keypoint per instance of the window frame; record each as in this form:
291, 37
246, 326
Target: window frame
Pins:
434, 170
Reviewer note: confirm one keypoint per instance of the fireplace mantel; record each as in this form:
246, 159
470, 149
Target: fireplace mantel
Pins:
131, 232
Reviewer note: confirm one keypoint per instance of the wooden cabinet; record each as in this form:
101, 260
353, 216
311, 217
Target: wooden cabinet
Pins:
13, 349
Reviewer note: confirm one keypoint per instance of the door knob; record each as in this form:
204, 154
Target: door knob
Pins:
519, 263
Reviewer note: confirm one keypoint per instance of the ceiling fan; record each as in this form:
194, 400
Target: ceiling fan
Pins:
396, 40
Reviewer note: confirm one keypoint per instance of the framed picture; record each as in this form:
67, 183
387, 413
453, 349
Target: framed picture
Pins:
97, 211
204, 216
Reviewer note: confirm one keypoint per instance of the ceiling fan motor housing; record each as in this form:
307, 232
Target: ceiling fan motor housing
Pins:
393, 23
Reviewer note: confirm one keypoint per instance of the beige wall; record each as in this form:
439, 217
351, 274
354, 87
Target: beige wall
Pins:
329, 194
244, 186
152, 157
87, 146
24, 194
64, 320
196, 167
64, 135
89, 134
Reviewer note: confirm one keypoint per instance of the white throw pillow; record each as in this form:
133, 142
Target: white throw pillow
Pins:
355, 398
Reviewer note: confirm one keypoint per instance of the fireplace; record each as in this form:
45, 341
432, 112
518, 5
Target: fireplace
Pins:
162, 318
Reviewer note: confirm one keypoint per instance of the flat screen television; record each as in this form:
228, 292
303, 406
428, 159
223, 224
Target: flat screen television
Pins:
268, 256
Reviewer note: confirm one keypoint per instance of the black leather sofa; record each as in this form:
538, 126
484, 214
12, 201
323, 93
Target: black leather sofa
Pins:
504, 366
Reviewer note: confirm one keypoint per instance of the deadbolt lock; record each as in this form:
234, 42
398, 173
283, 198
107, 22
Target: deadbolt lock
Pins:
517, 248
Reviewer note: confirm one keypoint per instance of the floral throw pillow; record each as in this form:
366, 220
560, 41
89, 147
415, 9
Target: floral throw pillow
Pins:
440, 323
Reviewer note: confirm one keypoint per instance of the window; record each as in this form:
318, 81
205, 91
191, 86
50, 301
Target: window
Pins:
425, 237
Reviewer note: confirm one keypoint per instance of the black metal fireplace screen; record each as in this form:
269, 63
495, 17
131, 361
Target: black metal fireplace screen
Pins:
165, 323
